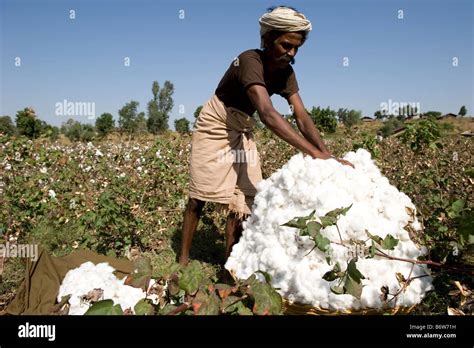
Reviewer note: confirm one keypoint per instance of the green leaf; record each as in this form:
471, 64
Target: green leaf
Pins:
313, 228
339, 211
465, 228
205, 303
328, 220
304, 231
333, 274
389, 242
353, 272
330, 276
105, 307
297, 222
322, 243
375, 238
338, 290
268, 277
372, 250
458, 206
228, 305
173, 285
167, 309
224, 290
141, 276
353, 288
266, 300
144, 307
191, 278
250, 281
242, 310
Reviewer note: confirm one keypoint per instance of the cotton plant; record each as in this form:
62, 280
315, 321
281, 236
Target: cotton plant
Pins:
333, 236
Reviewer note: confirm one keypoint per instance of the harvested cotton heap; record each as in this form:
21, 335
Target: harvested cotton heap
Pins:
88, 276
305, 184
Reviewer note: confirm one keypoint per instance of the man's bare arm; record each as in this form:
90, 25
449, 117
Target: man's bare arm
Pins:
308, 129
305, 123
271, 118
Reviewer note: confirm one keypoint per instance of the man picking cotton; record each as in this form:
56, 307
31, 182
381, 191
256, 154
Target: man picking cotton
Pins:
225, 166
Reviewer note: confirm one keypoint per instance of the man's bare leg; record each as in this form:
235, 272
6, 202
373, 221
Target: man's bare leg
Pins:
233, 232
191, 219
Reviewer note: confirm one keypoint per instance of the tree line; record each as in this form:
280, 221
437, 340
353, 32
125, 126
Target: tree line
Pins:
130, 120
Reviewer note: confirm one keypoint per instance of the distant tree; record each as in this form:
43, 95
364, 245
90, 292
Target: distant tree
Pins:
196, 114
160, 107
197, 111
155, 88
154, 121
141, 126
324, 119
181, 125
87, 132
72, 129
27, 123
341, 114
6, 126
378, 115
104, 124
128, 117
462, 111
349, 117
49, 131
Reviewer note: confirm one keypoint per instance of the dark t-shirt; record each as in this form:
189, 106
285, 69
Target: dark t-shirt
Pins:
248, 70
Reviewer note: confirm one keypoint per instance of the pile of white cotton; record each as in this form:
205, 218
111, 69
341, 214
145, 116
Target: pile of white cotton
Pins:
305, 184
81, 280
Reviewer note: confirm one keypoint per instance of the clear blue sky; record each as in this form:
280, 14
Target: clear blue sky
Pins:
82, 60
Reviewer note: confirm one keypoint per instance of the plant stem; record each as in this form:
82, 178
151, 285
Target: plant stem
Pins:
339, 232
419, 262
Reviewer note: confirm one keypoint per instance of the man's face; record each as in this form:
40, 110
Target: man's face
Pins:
284, 49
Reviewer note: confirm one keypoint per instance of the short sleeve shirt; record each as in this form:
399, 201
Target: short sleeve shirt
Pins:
249, 70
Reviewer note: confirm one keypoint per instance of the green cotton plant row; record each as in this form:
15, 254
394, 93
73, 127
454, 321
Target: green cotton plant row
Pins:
420, 134
112, 192
190, 292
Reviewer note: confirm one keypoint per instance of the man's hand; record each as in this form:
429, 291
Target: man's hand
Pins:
343, 161
340, 160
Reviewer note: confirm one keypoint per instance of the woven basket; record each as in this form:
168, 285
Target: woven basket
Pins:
301, 309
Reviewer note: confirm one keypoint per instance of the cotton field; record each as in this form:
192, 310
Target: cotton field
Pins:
122, 194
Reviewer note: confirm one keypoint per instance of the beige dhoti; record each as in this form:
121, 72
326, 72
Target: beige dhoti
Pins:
225, 166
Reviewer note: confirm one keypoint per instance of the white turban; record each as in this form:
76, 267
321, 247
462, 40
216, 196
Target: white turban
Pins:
283, 19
